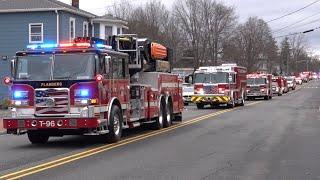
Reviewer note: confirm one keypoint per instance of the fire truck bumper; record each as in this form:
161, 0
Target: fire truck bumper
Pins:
50, 123
210, 99
256, 94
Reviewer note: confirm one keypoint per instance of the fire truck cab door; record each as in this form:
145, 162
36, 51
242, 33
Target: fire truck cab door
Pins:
120, 79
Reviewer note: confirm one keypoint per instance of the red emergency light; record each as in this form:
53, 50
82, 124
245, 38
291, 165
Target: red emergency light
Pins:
7, 81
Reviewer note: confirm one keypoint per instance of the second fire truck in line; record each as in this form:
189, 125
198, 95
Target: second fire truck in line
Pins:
217, 85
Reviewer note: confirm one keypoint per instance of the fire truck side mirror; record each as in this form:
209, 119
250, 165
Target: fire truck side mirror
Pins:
188, 79
12, 67
230, 79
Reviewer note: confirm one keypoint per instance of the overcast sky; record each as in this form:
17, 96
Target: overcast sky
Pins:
265, 9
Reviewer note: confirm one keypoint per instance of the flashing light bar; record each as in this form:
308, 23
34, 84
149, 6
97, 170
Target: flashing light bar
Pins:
41, 46
66, 45
48, 46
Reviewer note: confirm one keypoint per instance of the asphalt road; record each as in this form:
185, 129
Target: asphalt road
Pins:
277, 139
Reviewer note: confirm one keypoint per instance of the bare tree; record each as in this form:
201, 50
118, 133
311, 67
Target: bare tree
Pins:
121, 10
252, 44
188, 13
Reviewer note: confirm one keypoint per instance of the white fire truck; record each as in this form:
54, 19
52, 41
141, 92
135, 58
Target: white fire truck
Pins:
216, 85
259, 86
92, 87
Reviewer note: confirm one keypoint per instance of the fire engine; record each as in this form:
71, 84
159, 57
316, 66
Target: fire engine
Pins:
216, 85
259, 86
92, 87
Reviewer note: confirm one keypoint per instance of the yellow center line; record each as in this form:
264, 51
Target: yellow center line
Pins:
87, 153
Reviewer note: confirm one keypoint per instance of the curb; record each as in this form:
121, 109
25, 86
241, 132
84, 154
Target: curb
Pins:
3, 133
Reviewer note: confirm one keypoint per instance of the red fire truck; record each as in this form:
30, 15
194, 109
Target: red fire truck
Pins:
215, 85
91, 87
259, 86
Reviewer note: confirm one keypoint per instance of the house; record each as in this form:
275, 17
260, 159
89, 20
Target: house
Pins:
24, 22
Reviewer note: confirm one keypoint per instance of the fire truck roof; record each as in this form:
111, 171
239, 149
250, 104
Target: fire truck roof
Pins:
78, 45
222, 68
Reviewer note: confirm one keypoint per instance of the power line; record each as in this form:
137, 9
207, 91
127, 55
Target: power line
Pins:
293, 12
297, 22
296, 33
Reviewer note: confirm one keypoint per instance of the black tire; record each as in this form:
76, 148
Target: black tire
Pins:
242, 103
231, 104
185, 103
115, 125
169, 115
266, 98
243, 97
279, 94
200, 106
37, 138
161, 118
178, 117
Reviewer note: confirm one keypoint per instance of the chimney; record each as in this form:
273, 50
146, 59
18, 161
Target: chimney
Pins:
75, 3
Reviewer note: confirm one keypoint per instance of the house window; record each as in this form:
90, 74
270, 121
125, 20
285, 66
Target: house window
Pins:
35, 33
85, 29
118, 30
72, 26
108, 31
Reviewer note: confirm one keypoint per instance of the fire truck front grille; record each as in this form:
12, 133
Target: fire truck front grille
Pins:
210, 89
53, 101
255, 89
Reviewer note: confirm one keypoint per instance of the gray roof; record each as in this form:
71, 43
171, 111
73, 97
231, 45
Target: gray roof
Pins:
39, 5
110, 18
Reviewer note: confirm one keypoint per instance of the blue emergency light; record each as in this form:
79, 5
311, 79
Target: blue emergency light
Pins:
41, 46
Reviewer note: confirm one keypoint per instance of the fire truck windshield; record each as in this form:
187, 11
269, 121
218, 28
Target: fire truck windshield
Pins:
213, 78
251, 81
59, 66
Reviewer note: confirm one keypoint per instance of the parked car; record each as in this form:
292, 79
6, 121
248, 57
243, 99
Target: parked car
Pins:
298, 80
291, 82
187, 92
314, 76
285, 86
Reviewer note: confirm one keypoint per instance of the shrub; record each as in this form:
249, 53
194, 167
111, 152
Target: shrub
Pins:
5, 103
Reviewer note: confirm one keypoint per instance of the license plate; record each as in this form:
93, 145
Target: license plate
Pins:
47, 124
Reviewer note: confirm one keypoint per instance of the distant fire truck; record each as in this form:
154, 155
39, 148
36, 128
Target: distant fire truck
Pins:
216, 85
259, 86
91, 87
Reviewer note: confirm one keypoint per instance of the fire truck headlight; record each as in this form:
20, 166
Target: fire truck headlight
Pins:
200, 91
84, 101
221, 90
17, 103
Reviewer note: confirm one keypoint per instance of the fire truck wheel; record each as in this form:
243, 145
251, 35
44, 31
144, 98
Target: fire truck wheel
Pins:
162, 116
169, 115
266, 98
115, 125
231, 104
37, 138
243, 97
279, 94
200, 106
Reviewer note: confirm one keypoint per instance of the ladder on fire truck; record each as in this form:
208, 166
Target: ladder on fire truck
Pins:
144, 55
